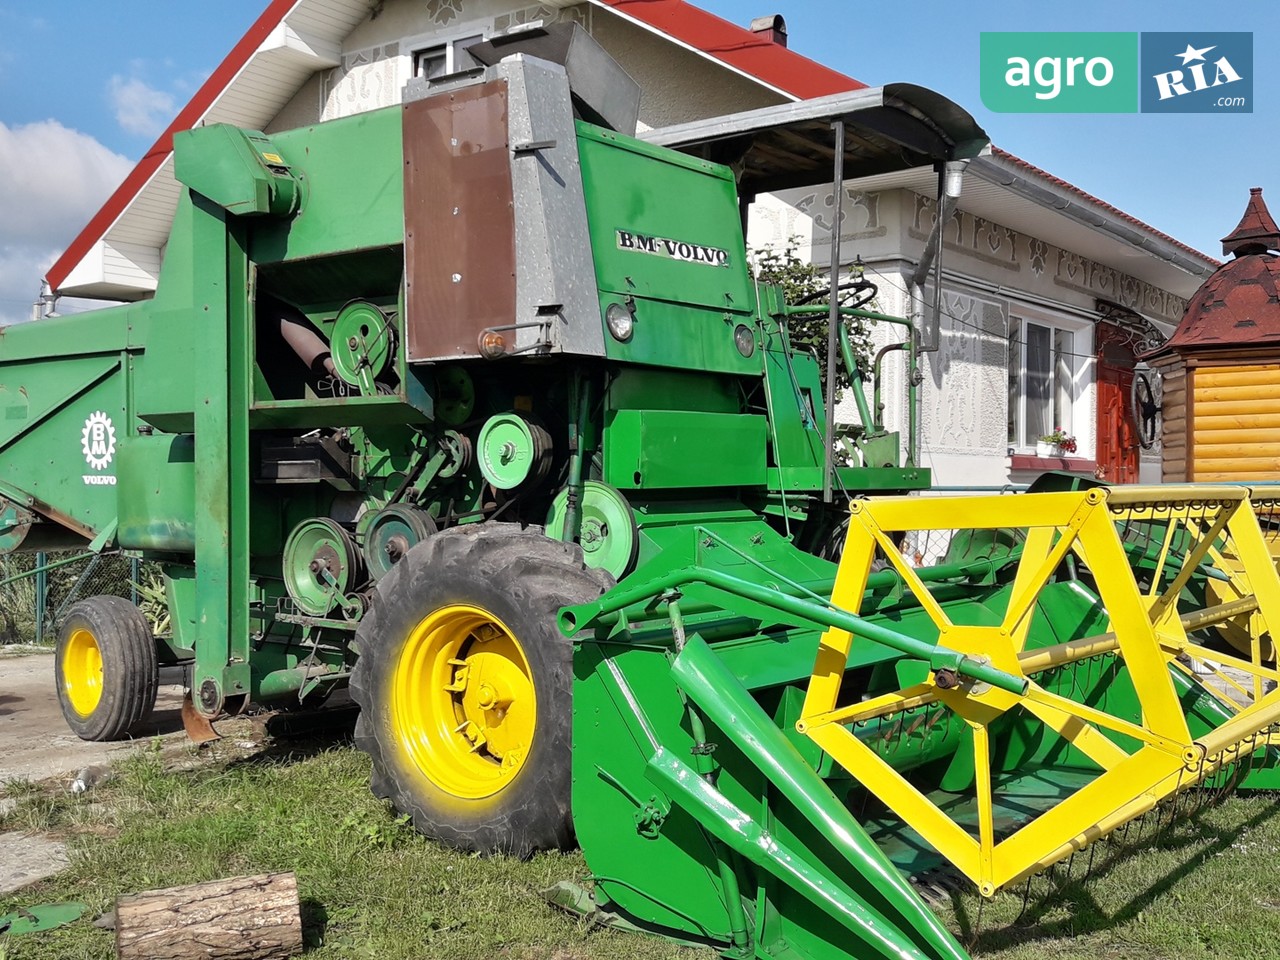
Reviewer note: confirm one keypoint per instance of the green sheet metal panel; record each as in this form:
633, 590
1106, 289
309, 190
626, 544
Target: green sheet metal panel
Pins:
352, 189
157, 499
666, 236
670, 449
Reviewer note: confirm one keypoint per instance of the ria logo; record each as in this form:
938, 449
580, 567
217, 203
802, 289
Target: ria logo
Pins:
1172, 84
1197, 73
98, 440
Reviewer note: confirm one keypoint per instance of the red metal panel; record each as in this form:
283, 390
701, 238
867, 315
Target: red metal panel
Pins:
460, 257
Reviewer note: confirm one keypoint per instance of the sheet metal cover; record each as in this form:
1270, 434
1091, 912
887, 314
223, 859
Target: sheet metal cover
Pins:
460, 257
887, 128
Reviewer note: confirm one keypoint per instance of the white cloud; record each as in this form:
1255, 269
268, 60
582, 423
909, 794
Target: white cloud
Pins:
139, 108
52, 180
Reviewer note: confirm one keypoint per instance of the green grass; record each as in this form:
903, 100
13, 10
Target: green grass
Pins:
373, 888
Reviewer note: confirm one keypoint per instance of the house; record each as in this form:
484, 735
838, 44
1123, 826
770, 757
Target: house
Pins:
1219, 374
1048, 293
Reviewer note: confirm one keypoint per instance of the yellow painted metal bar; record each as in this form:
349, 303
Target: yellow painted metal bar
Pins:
1173, 494
1087, 738
1191, 562
1243, 725
1089, 814
1218, 694
1170, 532
1258, 563
986, 817
846, 594
900, 796
1025, 587
1257, 669
1225, 679
1099, 718
1061, 654
979, 513
1208, 616
920, 695
909, 577
1129, 619
1020, 604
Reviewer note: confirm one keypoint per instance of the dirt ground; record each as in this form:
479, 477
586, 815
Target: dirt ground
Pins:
35, 743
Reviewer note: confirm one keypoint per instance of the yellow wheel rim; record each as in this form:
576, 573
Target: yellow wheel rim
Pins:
82, 672
462, 701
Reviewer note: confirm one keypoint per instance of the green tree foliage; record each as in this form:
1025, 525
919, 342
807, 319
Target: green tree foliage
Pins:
799, 280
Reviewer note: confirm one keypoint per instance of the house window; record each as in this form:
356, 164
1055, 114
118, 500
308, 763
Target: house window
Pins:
442, 59
1045, 373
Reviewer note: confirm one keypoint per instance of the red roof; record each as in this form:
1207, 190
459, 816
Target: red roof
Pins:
1239, 306
738, 47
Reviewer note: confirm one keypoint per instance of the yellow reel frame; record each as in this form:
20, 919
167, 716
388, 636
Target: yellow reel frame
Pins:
1198, 527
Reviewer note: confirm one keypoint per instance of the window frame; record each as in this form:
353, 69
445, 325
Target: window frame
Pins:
1074, 390
447, 42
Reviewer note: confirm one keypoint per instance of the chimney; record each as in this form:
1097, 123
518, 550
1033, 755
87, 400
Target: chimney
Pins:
772, 28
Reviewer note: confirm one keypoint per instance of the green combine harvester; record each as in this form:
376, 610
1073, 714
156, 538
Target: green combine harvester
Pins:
474, 406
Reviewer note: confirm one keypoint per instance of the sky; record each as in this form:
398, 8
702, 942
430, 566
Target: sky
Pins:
87, 85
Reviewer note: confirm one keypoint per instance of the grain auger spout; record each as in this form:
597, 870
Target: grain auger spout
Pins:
758, 755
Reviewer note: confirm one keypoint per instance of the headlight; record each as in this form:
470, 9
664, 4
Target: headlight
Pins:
744, 338
620, 321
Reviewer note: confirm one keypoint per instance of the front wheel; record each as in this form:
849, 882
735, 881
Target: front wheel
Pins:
464, 685
106, 668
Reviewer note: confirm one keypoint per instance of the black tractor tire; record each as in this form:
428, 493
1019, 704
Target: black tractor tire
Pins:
106, 669
520, 579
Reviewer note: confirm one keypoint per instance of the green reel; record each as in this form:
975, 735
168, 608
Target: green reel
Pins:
391, 533
322, 567
513, 451
609, 537
362, 344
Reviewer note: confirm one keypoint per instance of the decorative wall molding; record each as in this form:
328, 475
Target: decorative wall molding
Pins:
1011, 250
861, 215
964, 400
368, 79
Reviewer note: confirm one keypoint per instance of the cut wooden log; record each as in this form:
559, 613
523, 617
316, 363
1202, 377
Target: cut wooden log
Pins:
241, 918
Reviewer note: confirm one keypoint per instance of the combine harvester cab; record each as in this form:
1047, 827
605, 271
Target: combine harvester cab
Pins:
474, 406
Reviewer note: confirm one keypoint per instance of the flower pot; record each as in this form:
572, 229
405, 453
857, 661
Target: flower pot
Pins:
1047, 449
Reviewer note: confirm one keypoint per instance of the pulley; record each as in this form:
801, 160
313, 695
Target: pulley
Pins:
391, 533
458, 448
513, 451
362, 345
455, 396
609, 538
321, 566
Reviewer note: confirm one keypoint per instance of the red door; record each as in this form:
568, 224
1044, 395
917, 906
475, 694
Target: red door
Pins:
1117, 437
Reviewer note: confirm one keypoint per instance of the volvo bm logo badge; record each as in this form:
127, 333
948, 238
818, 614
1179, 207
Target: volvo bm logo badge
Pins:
673, 249
98, 441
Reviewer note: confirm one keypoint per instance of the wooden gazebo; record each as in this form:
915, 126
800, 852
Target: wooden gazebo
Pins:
1220, 371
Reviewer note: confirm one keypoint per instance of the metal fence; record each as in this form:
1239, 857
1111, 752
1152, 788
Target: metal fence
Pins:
37, 590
